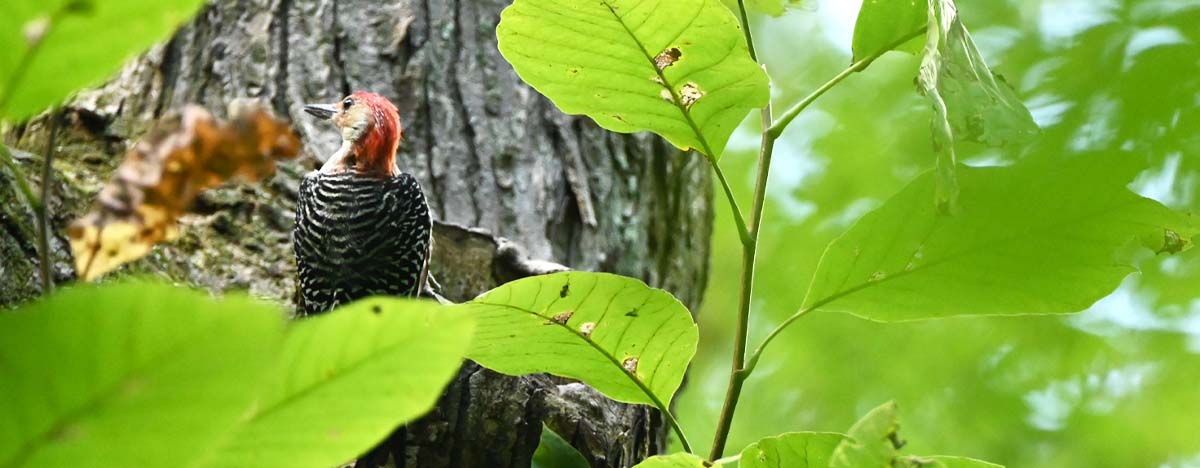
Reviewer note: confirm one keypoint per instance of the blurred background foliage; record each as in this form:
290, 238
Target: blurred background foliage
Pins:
1114, 386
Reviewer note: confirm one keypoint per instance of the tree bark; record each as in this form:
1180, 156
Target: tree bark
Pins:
500, 165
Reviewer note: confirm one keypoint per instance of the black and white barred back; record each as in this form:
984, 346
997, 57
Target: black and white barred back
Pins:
358, 236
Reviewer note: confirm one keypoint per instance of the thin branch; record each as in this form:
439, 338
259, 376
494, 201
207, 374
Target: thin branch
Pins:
746, 29
6, 158
743, 231
860, 65
43, 209
771, 130
749, 253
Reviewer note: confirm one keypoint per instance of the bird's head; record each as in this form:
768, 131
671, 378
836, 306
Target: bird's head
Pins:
370, 126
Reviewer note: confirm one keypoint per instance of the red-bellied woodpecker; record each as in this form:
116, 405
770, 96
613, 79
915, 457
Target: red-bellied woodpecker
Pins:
362, 226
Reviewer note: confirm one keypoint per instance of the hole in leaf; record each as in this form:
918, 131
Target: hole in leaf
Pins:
561, 318
690, 93
630, 364
667, 58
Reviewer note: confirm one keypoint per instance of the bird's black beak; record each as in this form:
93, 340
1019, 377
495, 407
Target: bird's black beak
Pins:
320, 111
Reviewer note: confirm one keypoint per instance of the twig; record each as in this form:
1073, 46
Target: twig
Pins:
6, 158
43, 209
771, 131
749, 253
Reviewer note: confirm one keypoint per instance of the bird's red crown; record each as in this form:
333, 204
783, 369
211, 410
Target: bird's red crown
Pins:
376, 150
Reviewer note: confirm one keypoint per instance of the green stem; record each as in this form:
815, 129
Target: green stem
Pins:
43, 209
749, 254
796, 316
746, 29
772, 129
6, 158
743, 232
862, 64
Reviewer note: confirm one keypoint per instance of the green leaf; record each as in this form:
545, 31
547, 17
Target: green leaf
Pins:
885, 25
129, 374
677, 68
955, 462
346, 379
49, 49
970, 102
554, 452
625, 339
771, 7
674, 460
1045, 236
872, 442
792, 450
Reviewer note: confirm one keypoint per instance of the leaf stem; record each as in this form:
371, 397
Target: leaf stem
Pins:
657, 402
790, 114
43, 209
6, 158
746, 29
771, 131
743, 232
749, 253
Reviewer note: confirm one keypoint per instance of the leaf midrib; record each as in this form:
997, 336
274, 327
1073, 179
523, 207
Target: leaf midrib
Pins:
966, 251
95, 403
603, 352
666, 84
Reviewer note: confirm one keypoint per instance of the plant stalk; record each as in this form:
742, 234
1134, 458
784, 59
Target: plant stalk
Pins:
771, 131
6, 158
43, 208
737, 376
749, 253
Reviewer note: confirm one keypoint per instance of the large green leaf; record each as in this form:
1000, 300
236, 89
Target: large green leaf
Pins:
133, 374
555, 452
792, 450
625, 339
771, 7
872, 442
952, 462
678, 68
51, 48
970, 102
345, 380
885, 25
1045, 236
674, 460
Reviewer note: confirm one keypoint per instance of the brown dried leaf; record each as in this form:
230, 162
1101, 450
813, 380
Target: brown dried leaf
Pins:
186, 153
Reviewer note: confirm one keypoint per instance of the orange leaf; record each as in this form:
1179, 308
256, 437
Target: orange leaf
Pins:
186, 153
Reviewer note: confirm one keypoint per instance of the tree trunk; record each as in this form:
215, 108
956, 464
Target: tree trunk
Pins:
500, 165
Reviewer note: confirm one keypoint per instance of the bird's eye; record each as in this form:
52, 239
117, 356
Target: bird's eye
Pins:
347, 103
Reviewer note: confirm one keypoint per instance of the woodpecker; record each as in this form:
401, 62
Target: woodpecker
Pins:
362, 226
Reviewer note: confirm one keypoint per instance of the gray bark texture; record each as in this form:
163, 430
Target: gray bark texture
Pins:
508, 176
